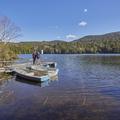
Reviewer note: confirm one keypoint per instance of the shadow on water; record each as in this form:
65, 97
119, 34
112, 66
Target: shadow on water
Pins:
40, 84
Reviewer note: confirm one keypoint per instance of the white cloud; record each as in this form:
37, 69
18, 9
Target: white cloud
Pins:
82, 23
85, 10
71, 36
58, 37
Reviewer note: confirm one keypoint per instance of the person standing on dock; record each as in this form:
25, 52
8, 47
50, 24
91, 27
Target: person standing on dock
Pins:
34, 56
38, 57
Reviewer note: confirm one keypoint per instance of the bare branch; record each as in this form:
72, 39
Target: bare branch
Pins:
8, 30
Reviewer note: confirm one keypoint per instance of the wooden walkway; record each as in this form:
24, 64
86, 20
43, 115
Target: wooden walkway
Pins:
12, 66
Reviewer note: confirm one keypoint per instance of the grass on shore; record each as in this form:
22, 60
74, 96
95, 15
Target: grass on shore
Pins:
4, 76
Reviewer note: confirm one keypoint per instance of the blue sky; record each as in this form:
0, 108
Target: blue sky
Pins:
62, 19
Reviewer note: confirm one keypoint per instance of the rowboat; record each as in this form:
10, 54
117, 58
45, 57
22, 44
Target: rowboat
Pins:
52, 72
49, 64
49, 70
38, 72
39, 84
31, 76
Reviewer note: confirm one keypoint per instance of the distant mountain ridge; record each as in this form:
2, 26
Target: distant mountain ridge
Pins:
108, 36
53, 41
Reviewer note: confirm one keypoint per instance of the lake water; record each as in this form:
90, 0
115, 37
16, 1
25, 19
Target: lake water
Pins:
87, 88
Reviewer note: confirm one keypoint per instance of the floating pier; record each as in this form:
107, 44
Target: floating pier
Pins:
38, 72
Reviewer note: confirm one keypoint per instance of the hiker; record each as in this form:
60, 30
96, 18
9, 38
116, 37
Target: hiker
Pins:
38, 55
34, 56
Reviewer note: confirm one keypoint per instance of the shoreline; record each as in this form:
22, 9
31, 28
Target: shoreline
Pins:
4, 76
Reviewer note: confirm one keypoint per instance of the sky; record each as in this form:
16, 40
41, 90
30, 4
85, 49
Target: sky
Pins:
62, 19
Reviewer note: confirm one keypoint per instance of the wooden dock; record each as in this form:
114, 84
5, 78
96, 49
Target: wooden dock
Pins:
12, 66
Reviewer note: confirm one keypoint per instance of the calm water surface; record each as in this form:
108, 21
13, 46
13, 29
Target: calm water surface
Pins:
88, 88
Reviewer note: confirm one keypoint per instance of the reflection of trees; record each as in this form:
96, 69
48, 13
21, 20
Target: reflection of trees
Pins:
101, 59
4, 94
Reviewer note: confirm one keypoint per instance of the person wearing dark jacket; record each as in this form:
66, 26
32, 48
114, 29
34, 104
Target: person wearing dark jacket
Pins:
34, 56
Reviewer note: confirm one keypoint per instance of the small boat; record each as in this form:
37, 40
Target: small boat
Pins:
49, 70
53, 72
38, 73
49, 64
39, 84
31, 76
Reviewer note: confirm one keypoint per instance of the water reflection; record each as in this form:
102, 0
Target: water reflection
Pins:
102, 59
88, 89
40, 84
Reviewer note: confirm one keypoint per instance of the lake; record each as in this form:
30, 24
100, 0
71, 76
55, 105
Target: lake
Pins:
87, 88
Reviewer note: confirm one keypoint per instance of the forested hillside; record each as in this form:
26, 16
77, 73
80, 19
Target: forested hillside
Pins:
107, 43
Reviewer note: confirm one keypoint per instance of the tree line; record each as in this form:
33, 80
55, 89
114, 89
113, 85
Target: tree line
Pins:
75, 47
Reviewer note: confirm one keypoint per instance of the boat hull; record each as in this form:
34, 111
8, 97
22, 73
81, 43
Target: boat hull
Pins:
32, 78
